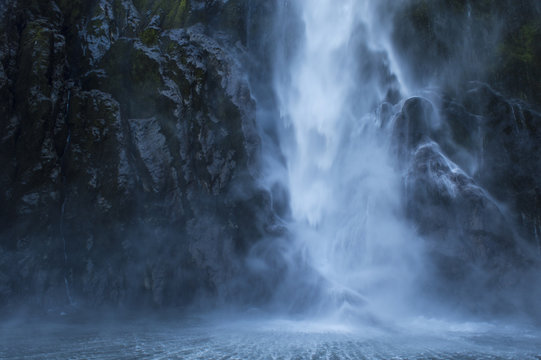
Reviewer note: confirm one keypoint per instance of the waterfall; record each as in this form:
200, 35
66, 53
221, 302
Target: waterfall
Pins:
344, 187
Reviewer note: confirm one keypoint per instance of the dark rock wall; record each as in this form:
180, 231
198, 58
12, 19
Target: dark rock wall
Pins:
468, 147
129, 151
471, 188
461, 40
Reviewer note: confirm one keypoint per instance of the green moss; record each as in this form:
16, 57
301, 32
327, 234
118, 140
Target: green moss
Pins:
177, 15
521, 45
173, 13
171, 47
519, 67
150, 36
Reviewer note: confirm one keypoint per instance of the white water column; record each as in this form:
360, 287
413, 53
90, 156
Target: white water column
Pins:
345, 192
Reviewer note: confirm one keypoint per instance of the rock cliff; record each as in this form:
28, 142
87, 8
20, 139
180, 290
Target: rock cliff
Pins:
129, 151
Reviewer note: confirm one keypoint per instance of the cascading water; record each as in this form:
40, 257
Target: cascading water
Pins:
344, 189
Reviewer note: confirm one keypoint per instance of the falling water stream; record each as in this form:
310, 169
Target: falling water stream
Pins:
344, 189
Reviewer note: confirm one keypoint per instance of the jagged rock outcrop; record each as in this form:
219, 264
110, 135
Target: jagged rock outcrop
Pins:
470, 165
129, 151
467, 169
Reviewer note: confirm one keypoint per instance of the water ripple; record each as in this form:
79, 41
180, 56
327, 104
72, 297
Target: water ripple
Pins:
208, 341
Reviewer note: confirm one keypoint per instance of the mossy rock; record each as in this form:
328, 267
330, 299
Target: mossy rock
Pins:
150, 36
519, 70
173, 13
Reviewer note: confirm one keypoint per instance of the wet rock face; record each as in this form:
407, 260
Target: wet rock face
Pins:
463, 40
129, 150
509, 161
472, 169
471, 188
466, 228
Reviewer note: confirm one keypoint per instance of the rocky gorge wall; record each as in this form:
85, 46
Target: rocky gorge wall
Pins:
129, 151
469, 145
